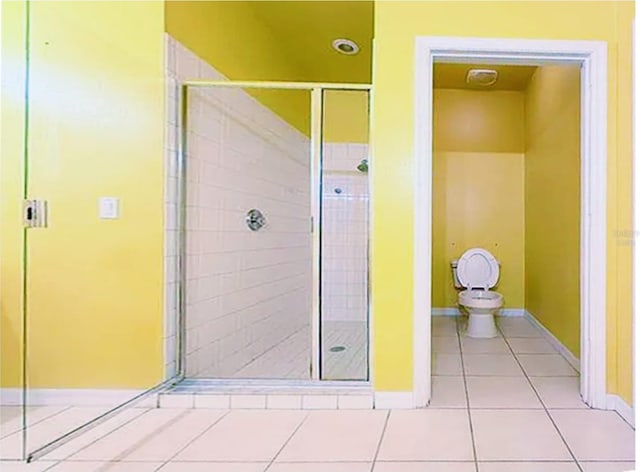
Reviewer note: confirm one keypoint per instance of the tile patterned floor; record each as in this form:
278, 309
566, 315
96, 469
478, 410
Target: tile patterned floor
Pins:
507, 404
290, 358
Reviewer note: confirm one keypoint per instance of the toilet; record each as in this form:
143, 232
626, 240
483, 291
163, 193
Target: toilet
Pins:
475, 273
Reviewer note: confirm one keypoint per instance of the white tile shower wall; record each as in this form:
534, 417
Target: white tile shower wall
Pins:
344, 233
246, 291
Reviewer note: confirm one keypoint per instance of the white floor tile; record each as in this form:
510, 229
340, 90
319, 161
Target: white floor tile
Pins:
518, 327
163, 444
595, 435
284, 402
501, 392
448, 392
355, 402
444, 326
244, 435
336, 436
424, 467
516, 435
214, 467
49, 429
559, 392
429, 434
19, 466
543, 365
492, 365
484, 346
607, 466
531, 346
320, 402
91, 466
445, 345
320, 467
528, 467
11, 417
132, 435
446, 364
95, 433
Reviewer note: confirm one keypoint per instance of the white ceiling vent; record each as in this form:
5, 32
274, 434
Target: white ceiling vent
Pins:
482, 77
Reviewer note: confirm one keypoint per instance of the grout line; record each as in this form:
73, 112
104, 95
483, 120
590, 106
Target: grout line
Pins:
195, 438
31, 425
102, 436
546, 410
384, 430
271, 462
466, 394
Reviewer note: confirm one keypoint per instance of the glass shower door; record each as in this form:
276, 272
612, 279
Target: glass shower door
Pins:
93, 216
344, 315
12, 119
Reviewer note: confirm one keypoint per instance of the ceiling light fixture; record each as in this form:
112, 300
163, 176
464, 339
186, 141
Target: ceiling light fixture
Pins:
346, 46
482, 77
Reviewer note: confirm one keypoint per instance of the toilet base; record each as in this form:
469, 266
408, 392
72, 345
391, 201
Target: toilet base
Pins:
481, 326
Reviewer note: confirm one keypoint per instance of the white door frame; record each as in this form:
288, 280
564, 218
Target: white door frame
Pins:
592, 55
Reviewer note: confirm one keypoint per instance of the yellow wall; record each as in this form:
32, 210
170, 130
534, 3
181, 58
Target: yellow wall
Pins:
346, 116
478, 187
230, 37
11, 159
396, 26
478, 121
552, 202
95, 287
235, 41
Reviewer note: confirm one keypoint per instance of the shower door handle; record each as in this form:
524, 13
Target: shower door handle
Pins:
35, 213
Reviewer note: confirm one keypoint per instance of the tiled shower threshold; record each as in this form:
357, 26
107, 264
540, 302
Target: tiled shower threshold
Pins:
268, 394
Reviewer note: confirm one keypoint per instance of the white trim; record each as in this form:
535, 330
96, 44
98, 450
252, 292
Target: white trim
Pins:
617, 404
592, 55
449, 311
511, 312
67, 396
445, 311
394, 400
555, 342
423, 141
635, 205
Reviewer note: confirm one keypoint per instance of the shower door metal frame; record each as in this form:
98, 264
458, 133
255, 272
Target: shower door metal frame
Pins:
316, 107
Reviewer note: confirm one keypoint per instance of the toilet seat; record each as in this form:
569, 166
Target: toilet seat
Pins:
480, 299
477, 268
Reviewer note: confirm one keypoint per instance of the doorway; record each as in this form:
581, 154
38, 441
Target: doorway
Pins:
591, 57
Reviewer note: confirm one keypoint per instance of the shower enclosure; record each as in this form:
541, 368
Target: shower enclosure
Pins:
267, 228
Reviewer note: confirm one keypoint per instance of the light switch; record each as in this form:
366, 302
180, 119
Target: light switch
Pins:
109, 207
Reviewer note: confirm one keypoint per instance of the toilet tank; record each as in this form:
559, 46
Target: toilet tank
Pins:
454, 273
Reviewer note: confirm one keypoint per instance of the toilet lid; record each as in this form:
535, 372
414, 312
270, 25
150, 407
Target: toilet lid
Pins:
477, 268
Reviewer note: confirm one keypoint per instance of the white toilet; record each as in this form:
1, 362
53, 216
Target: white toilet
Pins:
477, 272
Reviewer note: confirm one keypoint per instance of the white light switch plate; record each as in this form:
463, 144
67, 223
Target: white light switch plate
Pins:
109, 207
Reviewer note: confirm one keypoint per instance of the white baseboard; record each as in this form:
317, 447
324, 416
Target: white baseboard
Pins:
512, 312
557, 345
455, 312
393, 401
616, 403
67, 396
445, 312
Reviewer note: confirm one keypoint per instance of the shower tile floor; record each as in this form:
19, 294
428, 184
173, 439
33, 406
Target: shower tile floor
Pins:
509, 404
290, 358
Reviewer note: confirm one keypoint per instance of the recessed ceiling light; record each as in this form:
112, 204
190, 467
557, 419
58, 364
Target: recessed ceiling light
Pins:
345, 46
